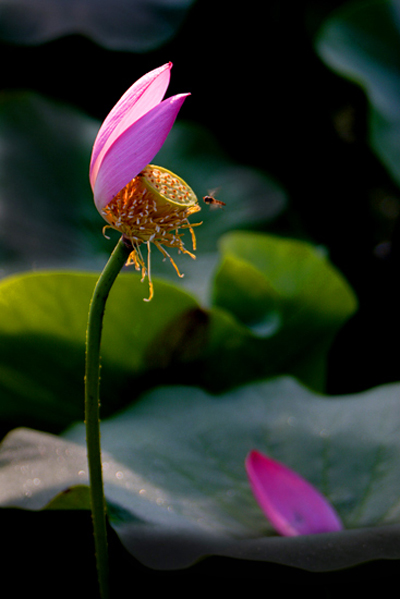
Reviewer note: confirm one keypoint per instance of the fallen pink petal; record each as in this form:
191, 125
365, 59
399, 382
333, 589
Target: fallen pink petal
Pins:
292, 505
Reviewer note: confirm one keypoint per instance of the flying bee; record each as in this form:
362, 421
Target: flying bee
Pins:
212, 202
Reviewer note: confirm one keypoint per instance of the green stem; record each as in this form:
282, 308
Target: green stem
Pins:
92, 415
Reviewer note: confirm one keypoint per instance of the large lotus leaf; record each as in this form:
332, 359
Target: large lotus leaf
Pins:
47, 213
43, 320
274, 320
129, 25
361, 41
175, 480
288, 302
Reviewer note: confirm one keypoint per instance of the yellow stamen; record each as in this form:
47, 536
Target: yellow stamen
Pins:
151, 288
166, 255
104, 231
153, 207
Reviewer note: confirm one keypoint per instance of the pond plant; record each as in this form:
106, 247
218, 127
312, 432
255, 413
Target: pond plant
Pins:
198, 399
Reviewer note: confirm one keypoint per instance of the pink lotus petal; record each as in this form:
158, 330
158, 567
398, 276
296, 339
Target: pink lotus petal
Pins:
134, 148
292, 505
141, 97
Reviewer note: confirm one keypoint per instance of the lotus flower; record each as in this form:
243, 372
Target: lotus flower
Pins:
292, 505
144, 202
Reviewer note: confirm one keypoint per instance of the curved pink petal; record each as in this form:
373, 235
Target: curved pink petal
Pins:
134, 149
292, 505
142, 96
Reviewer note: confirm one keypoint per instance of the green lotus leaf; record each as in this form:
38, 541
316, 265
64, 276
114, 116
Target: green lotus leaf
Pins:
285, 302
175, 480
42, 348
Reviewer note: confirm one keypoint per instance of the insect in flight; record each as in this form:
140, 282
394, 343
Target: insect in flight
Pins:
212, 202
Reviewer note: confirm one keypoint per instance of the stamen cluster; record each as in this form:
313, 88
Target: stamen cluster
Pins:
152, 208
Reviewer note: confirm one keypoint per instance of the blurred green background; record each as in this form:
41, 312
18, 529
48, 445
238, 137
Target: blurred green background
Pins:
270, 102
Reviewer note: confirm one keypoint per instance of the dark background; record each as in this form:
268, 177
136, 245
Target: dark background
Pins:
258, 85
